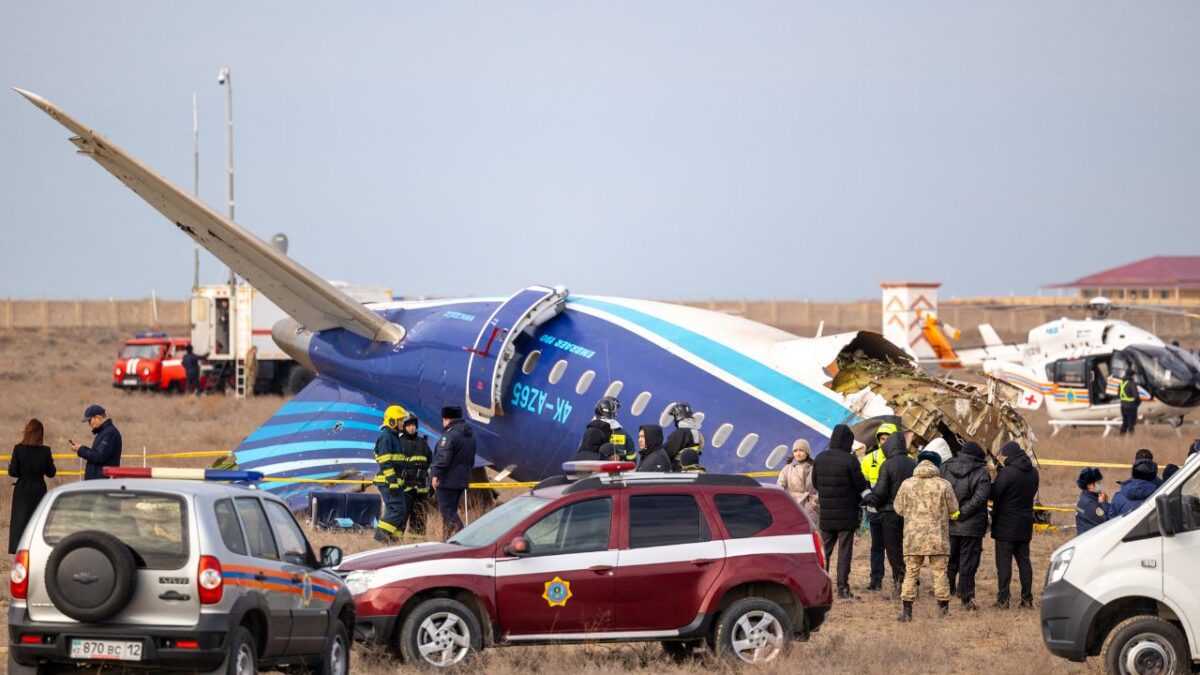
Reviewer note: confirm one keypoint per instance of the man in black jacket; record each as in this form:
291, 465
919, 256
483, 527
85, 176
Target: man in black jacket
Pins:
897, 468
451, 468
654, 456
968, 475
595, 434
1013, 493
840, 488
106, 447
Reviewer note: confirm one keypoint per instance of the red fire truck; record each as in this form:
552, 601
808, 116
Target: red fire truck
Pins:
151, 361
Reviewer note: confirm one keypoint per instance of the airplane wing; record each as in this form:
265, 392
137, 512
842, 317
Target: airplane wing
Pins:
312, 301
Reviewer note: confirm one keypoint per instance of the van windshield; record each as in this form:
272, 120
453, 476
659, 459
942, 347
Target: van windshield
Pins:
498, 521
151, 524
141, 351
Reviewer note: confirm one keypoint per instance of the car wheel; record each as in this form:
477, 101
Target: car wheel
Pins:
753, 630
241, 656
91, 576
336, 659
440, 633
1145, 645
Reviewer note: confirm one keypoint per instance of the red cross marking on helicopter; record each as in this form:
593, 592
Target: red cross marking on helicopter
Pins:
1031, 399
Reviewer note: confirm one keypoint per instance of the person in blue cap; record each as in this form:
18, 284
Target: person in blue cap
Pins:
106, 447
1093, 507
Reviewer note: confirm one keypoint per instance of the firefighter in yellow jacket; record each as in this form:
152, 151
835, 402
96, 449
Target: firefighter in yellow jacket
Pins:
389, 455
414, 479
871, 462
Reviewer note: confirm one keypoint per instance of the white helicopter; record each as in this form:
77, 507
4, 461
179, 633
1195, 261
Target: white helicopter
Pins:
1075, 366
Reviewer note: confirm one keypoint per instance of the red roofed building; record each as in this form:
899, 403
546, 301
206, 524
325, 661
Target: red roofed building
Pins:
1163, 278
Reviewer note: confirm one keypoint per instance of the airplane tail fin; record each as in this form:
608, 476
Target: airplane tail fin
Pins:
325, 434
990, 337
307, 298
327, 431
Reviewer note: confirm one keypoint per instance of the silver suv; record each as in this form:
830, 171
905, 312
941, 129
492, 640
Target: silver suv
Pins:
173, 574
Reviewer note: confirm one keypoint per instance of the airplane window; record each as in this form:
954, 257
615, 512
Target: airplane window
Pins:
699, 418
665, 418
776, 457
614, 389
722, 435
557, 371
531, 361
585, 381
640, 403
747, 445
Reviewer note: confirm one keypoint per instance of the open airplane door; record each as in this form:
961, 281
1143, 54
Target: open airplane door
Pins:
493, 350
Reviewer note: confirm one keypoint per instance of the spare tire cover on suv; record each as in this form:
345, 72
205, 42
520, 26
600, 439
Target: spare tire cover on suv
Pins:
91, 576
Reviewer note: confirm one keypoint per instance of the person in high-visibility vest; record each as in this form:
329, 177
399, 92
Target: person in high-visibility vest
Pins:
414, 479
1130, 401
871, 462
389, 454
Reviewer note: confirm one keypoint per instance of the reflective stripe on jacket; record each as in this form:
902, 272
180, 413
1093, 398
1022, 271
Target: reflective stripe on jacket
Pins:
870, 465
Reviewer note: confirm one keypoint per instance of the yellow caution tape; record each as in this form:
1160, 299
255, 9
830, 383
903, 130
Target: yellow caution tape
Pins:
1068, 462
162, 455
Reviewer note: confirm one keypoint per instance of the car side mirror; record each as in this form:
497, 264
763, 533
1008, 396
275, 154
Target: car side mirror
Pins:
519, 546
331, 556
1167, 512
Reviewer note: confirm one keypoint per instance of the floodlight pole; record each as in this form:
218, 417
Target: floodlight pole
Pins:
195, 185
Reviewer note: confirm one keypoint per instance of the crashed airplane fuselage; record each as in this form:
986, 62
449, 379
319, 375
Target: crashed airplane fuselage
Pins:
528, 369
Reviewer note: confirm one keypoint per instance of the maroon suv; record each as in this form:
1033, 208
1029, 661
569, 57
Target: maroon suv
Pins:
685, 559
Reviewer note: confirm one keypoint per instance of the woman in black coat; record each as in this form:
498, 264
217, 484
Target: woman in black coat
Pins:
31, 465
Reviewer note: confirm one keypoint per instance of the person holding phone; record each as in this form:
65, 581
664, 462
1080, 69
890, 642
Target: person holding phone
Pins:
31, 464
105, 449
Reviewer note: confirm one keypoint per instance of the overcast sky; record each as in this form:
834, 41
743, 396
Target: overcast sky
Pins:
649, 149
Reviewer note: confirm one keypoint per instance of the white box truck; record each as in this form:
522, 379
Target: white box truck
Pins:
224, 337
1128, 591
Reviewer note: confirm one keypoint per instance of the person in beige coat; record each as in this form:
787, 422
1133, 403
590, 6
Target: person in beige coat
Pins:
926, 502
797, 478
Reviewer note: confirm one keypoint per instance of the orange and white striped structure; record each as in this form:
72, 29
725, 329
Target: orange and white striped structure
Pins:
904, 303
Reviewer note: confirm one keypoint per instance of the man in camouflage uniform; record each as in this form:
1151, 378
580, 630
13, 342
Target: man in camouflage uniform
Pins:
926, 502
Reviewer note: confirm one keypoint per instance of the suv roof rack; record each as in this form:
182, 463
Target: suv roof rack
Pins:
636, 478
552, 481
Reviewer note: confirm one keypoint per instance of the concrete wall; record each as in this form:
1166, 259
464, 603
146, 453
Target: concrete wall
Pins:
93, 313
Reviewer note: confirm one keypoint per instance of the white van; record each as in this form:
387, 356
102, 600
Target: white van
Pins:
1128, 591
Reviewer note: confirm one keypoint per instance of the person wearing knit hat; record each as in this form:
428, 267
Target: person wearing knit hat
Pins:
796, 477
968, 476
1135, 491
840, 488
1093, 507
925, 501
930, 455
1013, 493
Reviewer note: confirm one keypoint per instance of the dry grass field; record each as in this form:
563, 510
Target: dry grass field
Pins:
55, 375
